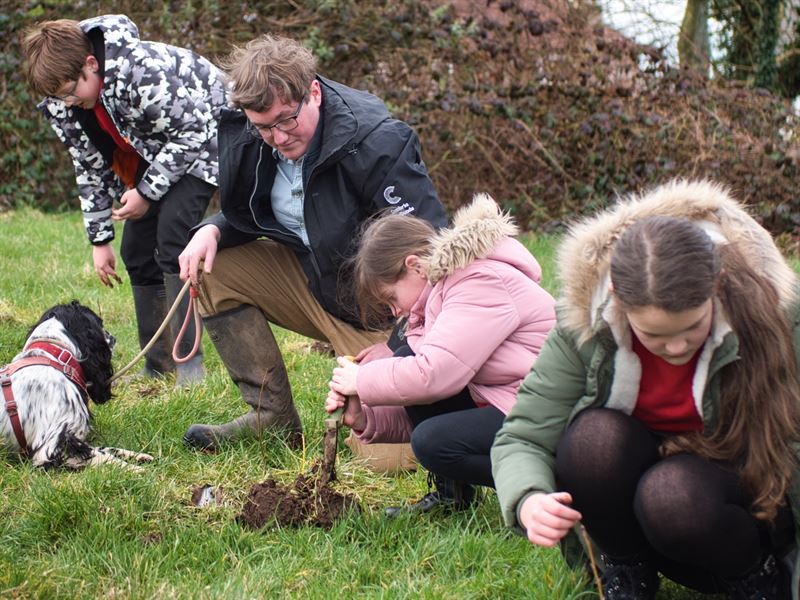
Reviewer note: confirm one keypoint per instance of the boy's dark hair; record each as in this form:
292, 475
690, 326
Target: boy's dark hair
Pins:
56, 52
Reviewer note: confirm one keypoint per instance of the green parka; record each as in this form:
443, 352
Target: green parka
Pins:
587, 361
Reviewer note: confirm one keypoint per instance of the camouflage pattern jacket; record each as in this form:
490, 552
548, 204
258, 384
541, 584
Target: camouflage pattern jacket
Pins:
165, 101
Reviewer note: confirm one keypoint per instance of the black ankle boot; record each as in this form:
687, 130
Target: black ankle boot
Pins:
448, 496
767, 582
628, 580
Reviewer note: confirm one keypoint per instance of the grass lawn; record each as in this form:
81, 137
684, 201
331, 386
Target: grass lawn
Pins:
111, 533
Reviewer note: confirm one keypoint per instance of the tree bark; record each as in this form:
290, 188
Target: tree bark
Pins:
766, 69
693, 44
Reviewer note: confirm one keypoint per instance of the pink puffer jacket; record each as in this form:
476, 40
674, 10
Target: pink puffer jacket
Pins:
480, 324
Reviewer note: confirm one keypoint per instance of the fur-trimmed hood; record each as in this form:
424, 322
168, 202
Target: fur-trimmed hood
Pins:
476, 232
584, 256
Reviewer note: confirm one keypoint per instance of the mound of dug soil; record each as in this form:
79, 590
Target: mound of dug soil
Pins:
306, 502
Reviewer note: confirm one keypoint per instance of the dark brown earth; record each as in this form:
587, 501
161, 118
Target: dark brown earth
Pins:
306, 502
324, 348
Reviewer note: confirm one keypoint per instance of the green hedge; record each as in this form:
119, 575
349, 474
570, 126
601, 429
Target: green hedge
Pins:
533, 102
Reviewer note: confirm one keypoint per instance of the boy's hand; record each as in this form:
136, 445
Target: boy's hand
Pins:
201, 248
104, 264
134, 206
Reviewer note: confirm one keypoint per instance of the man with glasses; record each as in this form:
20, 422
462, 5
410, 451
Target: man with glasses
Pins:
140, 121
304, 162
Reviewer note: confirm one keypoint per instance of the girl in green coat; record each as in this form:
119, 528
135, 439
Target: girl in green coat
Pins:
663, 412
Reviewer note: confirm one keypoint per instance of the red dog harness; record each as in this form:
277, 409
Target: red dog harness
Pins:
59, 358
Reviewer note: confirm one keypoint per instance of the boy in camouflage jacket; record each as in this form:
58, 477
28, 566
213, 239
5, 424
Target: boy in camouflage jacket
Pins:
140, 121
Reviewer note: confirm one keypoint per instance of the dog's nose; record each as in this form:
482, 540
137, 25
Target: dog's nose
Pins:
110, 340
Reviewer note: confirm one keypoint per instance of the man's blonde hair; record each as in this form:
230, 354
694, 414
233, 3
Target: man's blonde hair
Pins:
269, 68
56, 52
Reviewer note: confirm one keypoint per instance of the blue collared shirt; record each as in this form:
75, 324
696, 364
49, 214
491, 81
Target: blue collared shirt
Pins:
287, 195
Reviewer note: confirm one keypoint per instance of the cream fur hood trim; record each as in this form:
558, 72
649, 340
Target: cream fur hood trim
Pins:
585, 254
477, 229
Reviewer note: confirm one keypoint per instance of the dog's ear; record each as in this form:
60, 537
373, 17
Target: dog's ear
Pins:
87, 330
97, 365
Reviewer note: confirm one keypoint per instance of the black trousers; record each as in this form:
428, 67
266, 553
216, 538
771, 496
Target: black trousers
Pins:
687, 516
452, 437
150, 246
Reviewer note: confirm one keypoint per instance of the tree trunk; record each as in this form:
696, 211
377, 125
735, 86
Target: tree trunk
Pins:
766, 70
787, 56
693, 45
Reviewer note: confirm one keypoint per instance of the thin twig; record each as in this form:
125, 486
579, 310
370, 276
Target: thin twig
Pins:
550, 158
444, 157
588, 545
489, 159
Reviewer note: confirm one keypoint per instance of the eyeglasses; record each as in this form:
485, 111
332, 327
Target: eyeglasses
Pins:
69, 95
285, 125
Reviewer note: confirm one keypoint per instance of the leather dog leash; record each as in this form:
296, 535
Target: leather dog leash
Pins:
192, 310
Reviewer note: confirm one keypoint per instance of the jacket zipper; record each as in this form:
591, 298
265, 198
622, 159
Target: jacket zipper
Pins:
268, 229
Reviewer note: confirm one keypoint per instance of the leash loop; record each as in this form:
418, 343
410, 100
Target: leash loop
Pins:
191, 310
173, 309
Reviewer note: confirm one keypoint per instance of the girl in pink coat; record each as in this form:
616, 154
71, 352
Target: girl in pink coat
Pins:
476, 319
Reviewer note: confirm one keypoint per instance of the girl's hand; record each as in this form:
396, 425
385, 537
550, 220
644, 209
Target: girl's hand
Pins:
334, 401
344, 377
353, 415
373, 352
548, 517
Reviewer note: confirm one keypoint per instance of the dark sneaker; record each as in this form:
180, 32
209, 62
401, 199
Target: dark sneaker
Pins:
629, 581
429, 502
768, 582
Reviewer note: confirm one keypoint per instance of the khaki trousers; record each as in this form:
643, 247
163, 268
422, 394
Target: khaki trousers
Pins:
267, 275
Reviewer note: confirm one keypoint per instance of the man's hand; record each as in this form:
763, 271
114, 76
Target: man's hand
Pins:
201, 248
104, 264
547, 518
134, 206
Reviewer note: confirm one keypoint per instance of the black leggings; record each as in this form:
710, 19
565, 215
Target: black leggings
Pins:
686, 515
452, 437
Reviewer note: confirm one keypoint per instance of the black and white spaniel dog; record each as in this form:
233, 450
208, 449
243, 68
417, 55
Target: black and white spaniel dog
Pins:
44, 409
